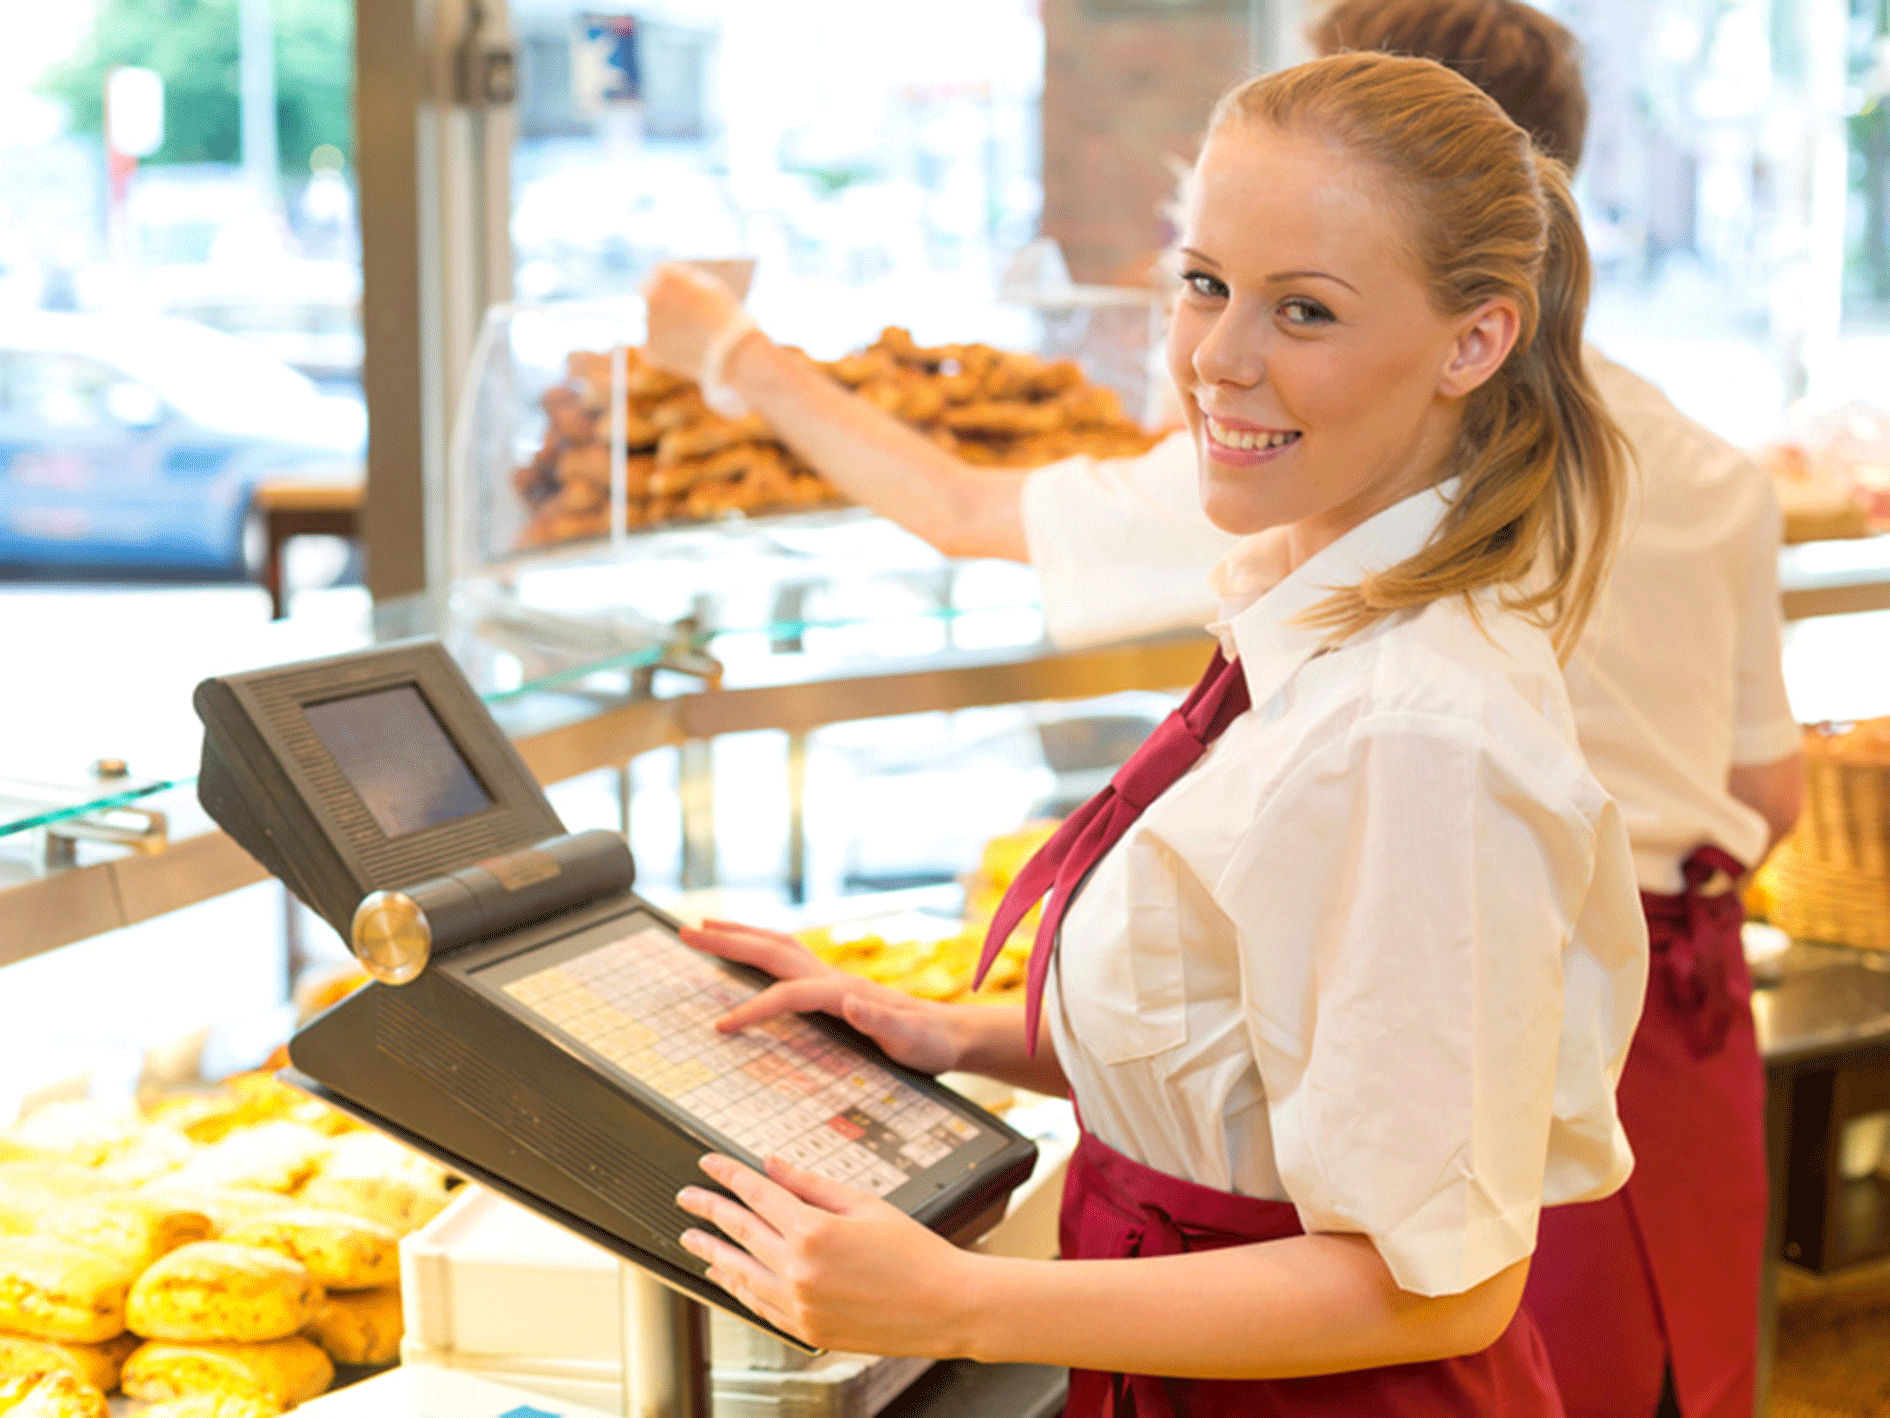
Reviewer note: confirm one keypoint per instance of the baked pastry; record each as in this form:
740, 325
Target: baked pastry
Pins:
52, 1289
134, 1227
53, 1394
276, 1156
215, 1405
79, 1130
157, 1152
367, 1174
395, 1202
360, 1326
284, 1371
342, 1251
29, 1189
225, 1206
216, 1291
97, 1364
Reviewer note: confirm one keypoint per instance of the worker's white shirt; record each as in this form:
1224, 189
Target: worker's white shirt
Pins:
1676, 681
1379, 953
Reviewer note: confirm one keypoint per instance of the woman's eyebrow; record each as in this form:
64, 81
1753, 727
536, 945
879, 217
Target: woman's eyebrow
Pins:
1279, 276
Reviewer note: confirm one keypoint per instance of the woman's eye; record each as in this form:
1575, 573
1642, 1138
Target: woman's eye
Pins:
1202, 284
1300, 311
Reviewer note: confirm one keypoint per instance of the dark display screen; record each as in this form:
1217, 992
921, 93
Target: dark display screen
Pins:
398, 758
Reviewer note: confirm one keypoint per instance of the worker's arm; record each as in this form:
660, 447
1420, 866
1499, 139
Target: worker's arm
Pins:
872, 457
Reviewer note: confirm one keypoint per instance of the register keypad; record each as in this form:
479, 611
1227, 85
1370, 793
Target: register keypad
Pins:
648, 1003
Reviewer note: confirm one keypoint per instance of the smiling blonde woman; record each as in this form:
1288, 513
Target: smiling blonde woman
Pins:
1342, 968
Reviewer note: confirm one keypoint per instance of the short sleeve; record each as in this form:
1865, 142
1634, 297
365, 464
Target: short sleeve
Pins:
1764, 729
1121, 545
1441, 1007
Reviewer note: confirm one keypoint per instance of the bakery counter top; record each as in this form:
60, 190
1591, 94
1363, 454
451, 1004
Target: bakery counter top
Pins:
82, 853
1828, 1000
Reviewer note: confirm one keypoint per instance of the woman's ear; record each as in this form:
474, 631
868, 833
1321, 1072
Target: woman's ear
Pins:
1483, 342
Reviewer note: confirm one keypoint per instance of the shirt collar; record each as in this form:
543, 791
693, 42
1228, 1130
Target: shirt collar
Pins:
1261, 601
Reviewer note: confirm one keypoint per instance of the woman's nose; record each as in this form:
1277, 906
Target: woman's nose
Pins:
1230, 353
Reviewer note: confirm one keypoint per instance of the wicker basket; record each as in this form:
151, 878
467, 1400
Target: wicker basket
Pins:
1831, 877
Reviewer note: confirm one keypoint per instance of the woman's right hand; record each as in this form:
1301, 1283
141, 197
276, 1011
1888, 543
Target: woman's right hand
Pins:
917, 1033
686, 308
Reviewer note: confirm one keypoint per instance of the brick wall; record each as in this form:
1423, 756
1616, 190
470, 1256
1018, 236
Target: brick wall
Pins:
1127, 84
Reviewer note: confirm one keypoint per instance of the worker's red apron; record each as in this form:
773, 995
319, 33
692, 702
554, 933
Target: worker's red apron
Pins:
1666, 1271
1114, 1207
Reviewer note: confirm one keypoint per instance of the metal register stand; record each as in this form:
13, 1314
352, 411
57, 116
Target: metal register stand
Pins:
665, 1350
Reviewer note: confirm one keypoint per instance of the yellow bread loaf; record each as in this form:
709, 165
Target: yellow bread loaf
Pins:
53, 1289
225, 1206
360, 1326
284, 1371
394, 1202
80, 1130
211, 1290
97, 1364
216, 1405
136, 1228
342, 1251
275, 1156
54, 1394
29, 1189
157, 1152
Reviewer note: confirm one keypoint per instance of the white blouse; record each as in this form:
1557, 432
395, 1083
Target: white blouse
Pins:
1379, 953
1676, 680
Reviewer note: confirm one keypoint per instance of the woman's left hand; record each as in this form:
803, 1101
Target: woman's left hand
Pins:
834, 1265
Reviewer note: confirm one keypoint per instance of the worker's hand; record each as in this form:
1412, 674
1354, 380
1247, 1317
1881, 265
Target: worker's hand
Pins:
834, 1265
918, 1033
686, 308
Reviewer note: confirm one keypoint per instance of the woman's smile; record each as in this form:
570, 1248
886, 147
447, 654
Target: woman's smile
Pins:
1244, 445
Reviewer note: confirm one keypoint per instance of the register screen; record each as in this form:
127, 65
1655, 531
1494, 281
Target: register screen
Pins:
398, 759
645, 1003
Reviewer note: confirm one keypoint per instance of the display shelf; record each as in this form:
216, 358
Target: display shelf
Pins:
1835, 578
588, 661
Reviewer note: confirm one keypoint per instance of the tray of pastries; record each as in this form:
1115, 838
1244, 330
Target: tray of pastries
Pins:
684, 463
216, 1253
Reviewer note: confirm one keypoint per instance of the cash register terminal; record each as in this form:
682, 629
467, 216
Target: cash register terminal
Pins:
533, 1023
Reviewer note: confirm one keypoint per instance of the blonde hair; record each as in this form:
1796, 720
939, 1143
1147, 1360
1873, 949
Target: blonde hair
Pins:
1539, 464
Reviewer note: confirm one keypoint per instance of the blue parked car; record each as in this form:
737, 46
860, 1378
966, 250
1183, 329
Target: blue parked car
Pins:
132, 443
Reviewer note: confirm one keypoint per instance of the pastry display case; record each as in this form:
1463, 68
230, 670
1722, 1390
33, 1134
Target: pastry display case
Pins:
587, 484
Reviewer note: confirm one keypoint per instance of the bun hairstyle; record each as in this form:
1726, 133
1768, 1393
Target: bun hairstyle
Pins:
1540, 466
1517, 55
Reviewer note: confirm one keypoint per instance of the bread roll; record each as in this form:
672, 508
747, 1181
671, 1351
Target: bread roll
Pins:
28, 1189
283, 1371
79, 1129
366, 1174
55, 1394
275, 1156
52, 1289
97, 1364
158, 1151
212, 1290
225, 1206
360, 1326
136, 1228
341, 1250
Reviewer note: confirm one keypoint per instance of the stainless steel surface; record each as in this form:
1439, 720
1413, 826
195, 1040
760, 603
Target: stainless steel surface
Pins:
1829, 1000
391, 937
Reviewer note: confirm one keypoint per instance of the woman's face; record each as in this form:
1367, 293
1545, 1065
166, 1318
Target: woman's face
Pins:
1319, 383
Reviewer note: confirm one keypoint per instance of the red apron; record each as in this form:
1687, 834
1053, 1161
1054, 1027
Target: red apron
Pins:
1114, 1207
1666, 1271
